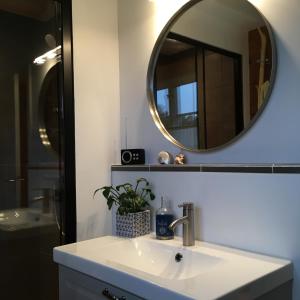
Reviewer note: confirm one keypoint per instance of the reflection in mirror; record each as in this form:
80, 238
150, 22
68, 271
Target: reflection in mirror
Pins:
31, 178
211, 73
48, 110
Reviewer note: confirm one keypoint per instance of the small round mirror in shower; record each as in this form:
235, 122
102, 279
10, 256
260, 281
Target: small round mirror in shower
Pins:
211, 73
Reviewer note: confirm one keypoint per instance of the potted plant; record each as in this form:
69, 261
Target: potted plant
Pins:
133, 215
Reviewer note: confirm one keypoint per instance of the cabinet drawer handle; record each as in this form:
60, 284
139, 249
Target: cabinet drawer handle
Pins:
107, 294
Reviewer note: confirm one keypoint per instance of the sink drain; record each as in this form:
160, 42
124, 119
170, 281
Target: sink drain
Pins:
178, 257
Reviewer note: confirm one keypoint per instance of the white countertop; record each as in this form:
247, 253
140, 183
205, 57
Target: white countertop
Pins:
233, 272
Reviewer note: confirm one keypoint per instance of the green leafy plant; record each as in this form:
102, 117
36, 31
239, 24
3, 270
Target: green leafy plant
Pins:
128, 198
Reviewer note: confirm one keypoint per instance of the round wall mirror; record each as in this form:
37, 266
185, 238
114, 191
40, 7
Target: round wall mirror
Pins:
211, 73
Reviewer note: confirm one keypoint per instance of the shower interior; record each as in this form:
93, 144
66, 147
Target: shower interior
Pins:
31, 173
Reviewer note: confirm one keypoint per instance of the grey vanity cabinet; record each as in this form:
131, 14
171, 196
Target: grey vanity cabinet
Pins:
74, 285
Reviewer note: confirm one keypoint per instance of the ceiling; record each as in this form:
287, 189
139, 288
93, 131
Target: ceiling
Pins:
171, 47
41, 10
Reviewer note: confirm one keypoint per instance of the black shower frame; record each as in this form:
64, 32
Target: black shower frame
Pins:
68, 171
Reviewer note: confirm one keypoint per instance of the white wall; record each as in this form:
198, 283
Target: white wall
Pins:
96, 80
273, 138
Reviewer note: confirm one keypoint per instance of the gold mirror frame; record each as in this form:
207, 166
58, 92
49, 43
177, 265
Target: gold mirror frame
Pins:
151, 71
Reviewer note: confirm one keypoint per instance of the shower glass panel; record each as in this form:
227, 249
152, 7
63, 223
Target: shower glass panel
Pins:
30, 160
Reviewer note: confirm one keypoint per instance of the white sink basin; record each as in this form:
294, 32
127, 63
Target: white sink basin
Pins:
158, 259
147, 267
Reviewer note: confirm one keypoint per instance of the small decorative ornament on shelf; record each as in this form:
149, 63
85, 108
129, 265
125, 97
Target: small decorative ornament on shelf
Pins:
180, 159
165, 158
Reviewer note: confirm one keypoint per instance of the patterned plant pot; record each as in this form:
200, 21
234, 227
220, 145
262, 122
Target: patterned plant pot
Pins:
133, 224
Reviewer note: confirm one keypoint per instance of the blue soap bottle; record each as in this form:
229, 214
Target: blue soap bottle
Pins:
164, 218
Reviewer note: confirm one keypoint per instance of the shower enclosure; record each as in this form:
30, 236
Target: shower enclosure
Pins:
36, 127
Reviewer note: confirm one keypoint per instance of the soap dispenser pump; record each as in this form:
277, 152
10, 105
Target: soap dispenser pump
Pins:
164, 218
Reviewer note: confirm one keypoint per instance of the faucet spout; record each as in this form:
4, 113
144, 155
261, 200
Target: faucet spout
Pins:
175, 223
187, 220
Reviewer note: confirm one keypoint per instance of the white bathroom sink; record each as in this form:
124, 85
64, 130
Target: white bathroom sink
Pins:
147, 267
158, 259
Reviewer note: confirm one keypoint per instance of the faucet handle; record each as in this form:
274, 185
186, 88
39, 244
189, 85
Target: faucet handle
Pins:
187, 205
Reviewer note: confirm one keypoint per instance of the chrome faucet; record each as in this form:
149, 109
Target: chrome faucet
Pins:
45, 198
188, 224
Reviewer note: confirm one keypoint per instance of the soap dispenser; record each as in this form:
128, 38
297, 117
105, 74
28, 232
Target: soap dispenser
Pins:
164, 218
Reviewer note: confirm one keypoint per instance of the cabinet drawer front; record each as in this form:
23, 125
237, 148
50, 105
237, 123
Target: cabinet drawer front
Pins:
77, 286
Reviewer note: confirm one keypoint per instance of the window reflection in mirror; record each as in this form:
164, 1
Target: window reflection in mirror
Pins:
182, 120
